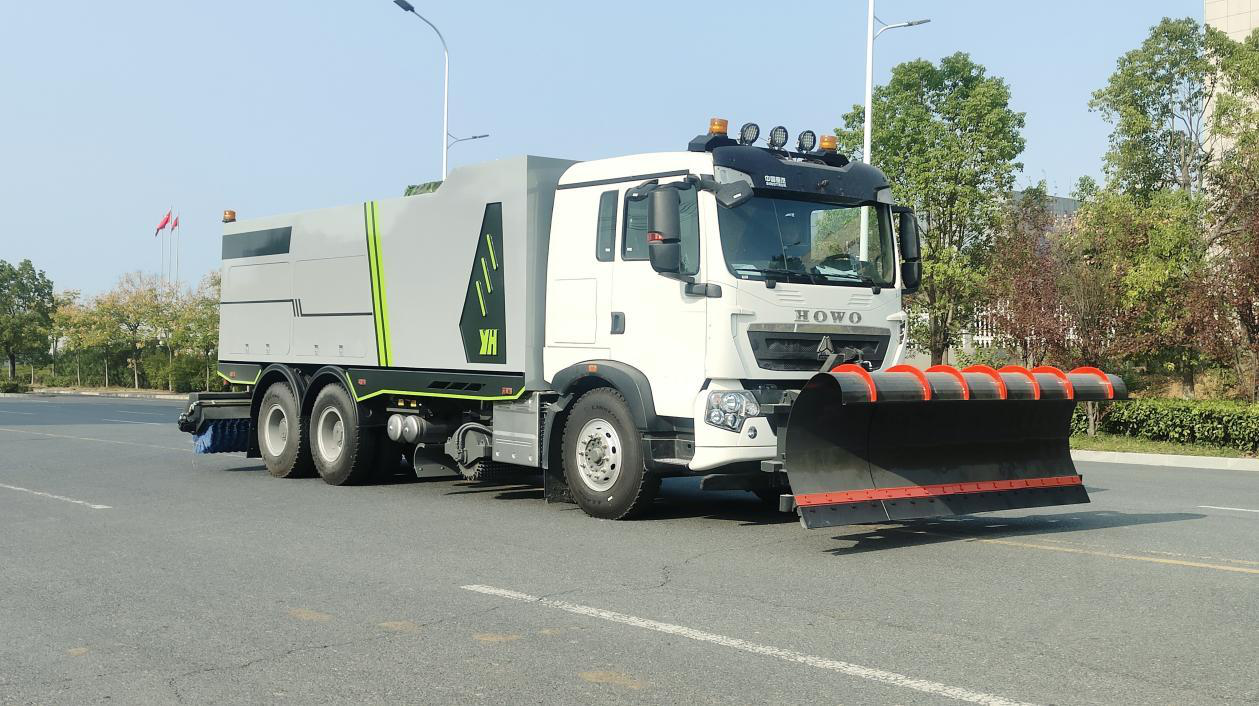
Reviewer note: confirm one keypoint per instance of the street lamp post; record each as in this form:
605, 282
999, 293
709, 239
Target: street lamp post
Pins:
871, 35
408, 7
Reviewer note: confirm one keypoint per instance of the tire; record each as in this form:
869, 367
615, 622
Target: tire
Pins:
343, 451
282, 434
603, 458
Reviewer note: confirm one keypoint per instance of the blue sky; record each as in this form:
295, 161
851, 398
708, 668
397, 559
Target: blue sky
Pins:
112, 112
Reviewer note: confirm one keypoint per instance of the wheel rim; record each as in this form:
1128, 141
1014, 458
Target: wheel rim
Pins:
275, 430
330, 434
599, 455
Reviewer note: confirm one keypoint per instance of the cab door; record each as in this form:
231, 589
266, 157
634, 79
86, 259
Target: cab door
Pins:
656, 326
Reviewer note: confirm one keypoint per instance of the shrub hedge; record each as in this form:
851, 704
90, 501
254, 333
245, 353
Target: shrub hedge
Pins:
1214, 422
13, 386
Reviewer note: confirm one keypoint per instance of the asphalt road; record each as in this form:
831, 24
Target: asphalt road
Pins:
132, 571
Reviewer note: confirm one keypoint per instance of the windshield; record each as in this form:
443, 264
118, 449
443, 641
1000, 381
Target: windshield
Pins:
807, 241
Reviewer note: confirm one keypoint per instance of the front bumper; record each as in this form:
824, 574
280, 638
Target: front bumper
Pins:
716, 447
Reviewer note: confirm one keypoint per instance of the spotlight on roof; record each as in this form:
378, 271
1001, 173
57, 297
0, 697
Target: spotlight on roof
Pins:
749, 133
777, 138
807, 141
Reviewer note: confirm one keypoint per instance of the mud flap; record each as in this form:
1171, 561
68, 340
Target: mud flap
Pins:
904, 443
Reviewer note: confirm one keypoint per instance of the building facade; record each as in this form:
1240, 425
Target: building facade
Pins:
1237, 18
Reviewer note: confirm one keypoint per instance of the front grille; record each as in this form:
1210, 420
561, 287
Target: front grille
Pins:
775, 350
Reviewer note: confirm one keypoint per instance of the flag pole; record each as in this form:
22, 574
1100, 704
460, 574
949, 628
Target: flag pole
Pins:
177, 249
161, 278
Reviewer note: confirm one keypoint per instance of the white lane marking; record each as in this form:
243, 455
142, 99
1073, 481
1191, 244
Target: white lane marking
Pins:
40, 493
1235, 509
88, 438
149, 414
855, 670
132, 421
9, 411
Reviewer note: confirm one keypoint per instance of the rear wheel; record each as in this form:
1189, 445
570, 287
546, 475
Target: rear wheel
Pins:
603, 461
281, 434
342, 450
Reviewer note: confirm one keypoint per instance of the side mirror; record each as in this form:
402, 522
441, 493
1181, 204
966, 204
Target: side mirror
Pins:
910, 247
911, 252
664, 231
911, 276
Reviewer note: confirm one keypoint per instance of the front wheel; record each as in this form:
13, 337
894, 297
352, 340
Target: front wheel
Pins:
603, 458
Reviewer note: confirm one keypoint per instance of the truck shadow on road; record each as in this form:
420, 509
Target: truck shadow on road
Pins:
868, 538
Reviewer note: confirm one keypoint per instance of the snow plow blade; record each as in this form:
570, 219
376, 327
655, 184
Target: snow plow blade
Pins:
905, 443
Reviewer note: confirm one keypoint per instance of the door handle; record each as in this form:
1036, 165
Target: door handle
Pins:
618, 322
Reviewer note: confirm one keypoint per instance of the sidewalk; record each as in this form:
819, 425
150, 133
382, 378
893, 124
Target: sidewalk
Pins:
131, 395
1168, 460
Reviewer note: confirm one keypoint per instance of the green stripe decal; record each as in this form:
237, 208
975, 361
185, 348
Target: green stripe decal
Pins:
375, 263
480, 298
424, 393
489, 288
490, 242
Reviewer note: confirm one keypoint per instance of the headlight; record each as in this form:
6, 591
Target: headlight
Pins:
728, 410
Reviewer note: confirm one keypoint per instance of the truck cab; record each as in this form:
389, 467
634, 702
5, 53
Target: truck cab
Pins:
722, 276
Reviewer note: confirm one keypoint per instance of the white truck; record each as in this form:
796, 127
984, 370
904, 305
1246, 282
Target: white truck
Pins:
732, 311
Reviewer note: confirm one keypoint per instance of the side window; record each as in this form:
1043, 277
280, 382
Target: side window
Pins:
605, 231
634, 241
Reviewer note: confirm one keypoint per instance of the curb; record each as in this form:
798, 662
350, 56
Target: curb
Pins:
1210, 463
129, 395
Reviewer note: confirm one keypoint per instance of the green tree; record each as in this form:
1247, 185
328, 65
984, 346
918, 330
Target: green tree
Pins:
947, 140
1233, 212
26, 306
1160, 100
70, 326
125, 318
197, 328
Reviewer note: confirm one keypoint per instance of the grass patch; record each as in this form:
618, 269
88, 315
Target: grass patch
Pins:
1131, 444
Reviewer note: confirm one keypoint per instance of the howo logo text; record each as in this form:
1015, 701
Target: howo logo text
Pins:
822, 316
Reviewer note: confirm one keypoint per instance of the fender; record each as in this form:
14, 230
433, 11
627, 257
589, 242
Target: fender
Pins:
272, 373
626, 379
323, 376
335, 375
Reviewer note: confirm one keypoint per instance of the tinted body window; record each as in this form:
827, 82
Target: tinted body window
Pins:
605, 231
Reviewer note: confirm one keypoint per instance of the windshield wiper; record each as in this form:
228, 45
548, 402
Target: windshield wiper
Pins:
865, 280
784, 275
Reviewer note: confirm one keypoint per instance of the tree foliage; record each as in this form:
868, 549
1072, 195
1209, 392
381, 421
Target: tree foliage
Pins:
1159, 99
26, 306
947, 140
1024, 277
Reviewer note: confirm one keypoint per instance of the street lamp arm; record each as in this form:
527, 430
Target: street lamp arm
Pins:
898, 25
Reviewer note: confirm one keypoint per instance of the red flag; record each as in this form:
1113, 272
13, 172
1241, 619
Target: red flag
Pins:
174, 224
161, 226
